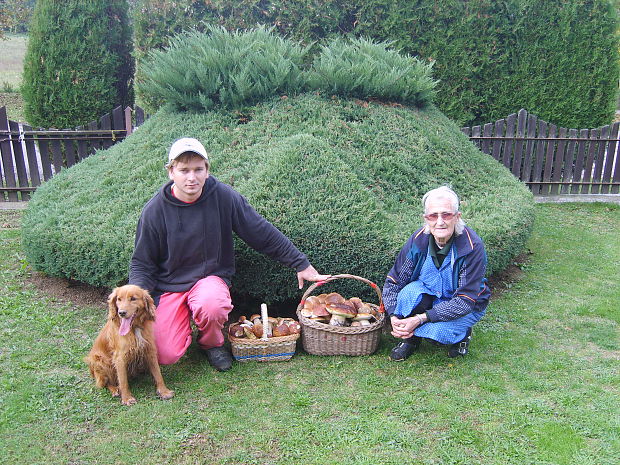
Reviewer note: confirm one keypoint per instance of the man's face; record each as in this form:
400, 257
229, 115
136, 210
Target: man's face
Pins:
435, 216
189, 177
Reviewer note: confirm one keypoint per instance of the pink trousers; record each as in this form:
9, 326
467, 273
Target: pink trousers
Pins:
208, 303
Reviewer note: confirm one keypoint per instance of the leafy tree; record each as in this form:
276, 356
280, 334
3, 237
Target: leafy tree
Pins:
78, 65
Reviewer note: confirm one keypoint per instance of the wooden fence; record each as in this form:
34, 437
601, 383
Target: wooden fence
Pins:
30, 156
552, 160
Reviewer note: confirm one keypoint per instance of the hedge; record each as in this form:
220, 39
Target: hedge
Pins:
341, 175
342, 178
559, 59
78, 64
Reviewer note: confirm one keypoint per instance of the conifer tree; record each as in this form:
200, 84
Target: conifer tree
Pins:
78, 64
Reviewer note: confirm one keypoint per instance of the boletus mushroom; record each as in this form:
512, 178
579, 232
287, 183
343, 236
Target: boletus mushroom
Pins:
340, 312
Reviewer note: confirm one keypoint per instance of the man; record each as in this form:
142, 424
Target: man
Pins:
184, 253
436, 289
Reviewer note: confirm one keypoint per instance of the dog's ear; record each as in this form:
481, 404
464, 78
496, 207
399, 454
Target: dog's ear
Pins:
112, 309
149, 305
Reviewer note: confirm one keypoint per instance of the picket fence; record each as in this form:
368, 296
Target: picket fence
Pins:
30, 156
552, 160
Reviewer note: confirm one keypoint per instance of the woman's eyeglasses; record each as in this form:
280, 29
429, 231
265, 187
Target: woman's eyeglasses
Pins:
446, 216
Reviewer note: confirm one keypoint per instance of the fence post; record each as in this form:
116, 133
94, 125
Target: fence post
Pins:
128, 124
6, 159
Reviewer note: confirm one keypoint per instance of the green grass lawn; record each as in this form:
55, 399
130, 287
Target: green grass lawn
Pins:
12, 59
540, 385
11, 68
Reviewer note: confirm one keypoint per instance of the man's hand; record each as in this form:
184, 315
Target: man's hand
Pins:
403, 328
310, 274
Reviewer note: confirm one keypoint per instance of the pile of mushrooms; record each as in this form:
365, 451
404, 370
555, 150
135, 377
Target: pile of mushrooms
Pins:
335, 310
253, 328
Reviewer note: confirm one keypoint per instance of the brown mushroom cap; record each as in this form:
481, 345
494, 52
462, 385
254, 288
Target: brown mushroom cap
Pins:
294, 327
341, 309
257, 329
357, 302
367, 308
281, 329
244, 321
236, 330
320, 311
334, 298
311, 301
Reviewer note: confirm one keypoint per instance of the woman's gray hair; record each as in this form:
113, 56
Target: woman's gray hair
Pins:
444, 192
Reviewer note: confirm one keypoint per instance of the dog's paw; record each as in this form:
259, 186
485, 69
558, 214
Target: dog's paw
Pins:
129, 401
165, 395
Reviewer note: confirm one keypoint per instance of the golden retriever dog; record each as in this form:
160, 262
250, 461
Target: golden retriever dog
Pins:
126, 344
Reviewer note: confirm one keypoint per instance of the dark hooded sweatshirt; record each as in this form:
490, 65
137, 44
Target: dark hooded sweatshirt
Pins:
179, 243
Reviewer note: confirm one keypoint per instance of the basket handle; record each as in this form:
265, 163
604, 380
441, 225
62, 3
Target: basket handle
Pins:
265, 318
341, 276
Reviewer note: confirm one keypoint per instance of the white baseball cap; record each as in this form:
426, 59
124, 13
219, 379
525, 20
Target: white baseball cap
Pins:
186, 144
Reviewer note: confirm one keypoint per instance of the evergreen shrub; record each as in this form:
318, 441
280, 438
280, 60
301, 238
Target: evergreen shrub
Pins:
363, 68
78, 63
201, 71
343, 178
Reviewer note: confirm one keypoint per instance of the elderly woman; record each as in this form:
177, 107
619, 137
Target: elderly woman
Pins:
436, 288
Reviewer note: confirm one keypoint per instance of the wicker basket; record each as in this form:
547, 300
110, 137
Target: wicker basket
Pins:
273, 349
324, 339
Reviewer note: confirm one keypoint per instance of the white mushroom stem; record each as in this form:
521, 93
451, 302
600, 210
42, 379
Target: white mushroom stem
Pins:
337, 320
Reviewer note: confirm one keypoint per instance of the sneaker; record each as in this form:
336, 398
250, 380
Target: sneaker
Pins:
219, 358
405, 348
460, 348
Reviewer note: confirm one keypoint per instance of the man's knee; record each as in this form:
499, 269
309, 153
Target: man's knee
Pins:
169, 357
170, 352
215, 309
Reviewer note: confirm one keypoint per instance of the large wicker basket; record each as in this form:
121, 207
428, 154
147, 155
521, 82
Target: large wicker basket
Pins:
324, 339
273, 349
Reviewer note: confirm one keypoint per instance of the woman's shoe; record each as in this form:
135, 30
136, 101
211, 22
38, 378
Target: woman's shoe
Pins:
460, 348
405, 348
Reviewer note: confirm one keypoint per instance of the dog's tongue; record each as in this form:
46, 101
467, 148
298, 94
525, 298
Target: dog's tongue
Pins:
125, 326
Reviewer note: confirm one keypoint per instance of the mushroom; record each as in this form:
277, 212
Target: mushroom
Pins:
294, 327
257, 325
248, 332
290, 322
244, 321
362, 318
334, 298
357, 302
271, 322
320, 314
309, 304
368, 308
340, 312
236, 330
281, 329
257, 329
